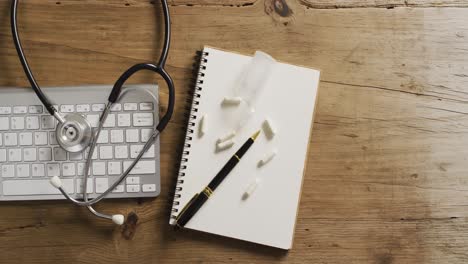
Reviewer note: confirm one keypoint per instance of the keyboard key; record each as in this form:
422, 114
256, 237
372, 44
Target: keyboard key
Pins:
45, 154
99, 168
114, 168
130, 107
20, 110
29, 154
25, 139
4, 123
142, 119
146, 134
1, 139
116, 107
48, 122
14, 155
89, 185
149, 187
53, 169
60, 154
110, 121
116, 136
35, 187
103, 137
40, 138
121, 152
8, 171
133, 180
86, 153
38, 170
135, 150
82, 108
146, 106
80, 168
17, 123
105, 152
36, 109
11, 139
3, 155
142, 167
133, 188
93, 120
119, 189
132, 135
67, 108
101, 185
52, 138
75, 155
98, 107
5, 110
22, 170
123, 120
68, 169
32, 122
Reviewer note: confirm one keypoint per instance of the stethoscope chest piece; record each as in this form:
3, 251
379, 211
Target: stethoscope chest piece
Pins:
75, 134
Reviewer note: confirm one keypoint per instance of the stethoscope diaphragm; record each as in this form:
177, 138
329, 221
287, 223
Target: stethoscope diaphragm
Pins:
74, 134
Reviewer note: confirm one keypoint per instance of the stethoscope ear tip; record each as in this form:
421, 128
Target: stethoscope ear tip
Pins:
56, 182
118, 219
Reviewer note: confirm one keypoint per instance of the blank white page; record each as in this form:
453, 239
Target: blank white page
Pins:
268, 216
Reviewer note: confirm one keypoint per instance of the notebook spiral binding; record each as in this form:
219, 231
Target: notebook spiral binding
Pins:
193, 102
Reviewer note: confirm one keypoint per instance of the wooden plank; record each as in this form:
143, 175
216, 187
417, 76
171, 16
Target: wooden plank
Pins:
329, 4
386, 175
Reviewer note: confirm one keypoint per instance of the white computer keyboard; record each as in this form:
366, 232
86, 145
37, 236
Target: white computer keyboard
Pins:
30, 155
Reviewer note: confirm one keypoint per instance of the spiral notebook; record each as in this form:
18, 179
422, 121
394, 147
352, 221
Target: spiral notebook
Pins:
268, 216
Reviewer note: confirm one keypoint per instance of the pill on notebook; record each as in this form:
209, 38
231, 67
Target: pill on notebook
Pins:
270, 130
267, 158
232, 100
227, 137
250, 189
225, 145
203, 125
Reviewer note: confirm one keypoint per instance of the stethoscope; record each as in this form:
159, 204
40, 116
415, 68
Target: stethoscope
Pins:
74, 133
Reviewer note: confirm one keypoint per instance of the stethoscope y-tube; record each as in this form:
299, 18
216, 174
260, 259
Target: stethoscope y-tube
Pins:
74, 133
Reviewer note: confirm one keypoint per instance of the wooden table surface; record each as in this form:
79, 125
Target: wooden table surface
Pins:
387, 174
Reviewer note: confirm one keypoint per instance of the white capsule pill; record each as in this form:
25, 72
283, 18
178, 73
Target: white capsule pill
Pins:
232, 100
267, 158
203, 125
250, 189
270, 130
225, 145
227, 137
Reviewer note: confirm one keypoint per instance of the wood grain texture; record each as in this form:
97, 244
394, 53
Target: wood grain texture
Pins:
330, 4
386, 178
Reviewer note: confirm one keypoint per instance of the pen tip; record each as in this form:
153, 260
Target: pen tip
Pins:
254, 136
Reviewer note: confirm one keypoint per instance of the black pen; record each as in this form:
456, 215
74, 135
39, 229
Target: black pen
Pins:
199, 199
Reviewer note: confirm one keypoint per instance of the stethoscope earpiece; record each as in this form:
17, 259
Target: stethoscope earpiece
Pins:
118, 219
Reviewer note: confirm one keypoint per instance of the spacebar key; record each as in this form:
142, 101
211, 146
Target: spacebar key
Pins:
35, 187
